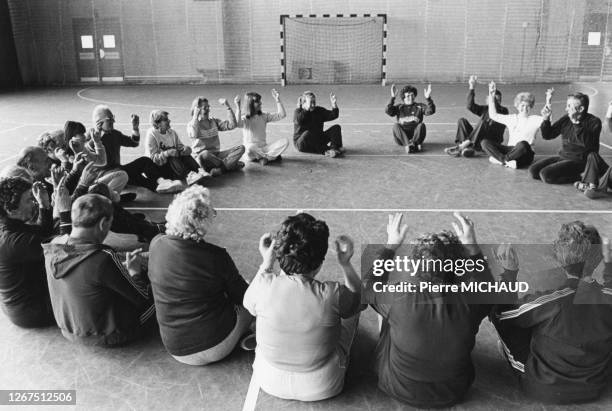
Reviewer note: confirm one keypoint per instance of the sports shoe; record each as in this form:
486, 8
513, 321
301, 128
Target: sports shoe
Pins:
278, 159
341, 149
594, 193
166, 186
453, 151
263, 161
127, 197
414, 148
493, 160
580, 186
407, 148
331, 153
195, 177
215, 172
465, 144
468, 152
511, 164
248, 342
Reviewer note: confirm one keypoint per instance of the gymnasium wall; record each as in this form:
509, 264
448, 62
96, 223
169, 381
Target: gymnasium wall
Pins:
9, 69
238, 40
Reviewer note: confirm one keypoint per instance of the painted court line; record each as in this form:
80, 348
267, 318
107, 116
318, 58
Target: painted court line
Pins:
12, 129
393, 210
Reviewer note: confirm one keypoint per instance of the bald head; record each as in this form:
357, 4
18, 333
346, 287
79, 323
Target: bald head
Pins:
36, 161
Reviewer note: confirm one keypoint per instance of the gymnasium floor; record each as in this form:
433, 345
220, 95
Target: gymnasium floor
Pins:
353, 194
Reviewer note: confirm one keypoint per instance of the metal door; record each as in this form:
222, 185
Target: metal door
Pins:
110, 53
86, 49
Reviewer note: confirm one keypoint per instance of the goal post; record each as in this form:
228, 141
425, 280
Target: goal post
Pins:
333, 49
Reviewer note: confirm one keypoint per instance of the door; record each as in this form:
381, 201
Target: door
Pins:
109, 49
85, 45
98, 46
593, 44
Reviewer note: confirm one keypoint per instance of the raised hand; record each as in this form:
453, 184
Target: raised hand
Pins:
133, 261
466, 232
266, 249
135, 121
332, 99
63, 201
472, 81
299, 102
56, 174
223, 102
237, 101
344, 249
549, 95
609, 112
88, 176
393, 90
606, 249
427, 91
275, 95
546, 112
80, 160
396, 231
492, 89
506, 257
41, 195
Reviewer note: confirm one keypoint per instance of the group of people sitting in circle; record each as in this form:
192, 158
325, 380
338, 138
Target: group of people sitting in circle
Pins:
59, 202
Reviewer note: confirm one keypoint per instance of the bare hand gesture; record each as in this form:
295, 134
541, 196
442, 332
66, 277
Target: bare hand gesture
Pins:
546, 112
237, 101
299, 102
41, 195
60, 154
393, 90
275, 95
427, 91
344, 249
135, 121
133, 261
506, 257
606, 249
77, 146
223, 102
549, 95
80, 160
172, 152
396, 231
266, 249
56, 175
466, 232
332, 99
492, 89
472, 81
63, 202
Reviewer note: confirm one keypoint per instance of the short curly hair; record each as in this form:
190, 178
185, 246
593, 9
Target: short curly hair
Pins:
574, 242
301, 244
157, 116
409, 89
441, 246
524, 96
190, 214
11, 191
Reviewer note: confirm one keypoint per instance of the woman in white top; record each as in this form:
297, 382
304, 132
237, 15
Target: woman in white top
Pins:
253, 125
522, 129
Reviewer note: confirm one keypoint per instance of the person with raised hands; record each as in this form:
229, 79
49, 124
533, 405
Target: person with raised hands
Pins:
522, 129
308, 133
468, 138
253, 124
559, 342
304, 326
579, 131
409, 130
203, 130
423, 356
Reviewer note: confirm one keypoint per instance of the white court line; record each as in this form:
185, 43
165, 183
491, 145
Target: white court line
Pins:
605, 145
392, 210
13, 129
9, 158
297, 155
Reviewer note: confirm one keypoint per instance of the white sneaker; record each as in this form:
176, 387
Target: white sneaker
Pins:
511, 164
166, 186
495, 161
193, 177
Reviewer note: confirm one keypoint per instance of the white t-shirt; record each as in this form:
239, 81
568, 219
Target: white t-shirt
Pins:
520, 128
254, 128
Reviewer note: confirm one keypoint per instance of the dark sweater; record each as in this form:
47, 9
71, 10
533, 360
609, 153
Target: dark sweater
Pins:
196, 287
113, 141
493, 130
423, 356
94, 298
578, 140
304, 120
23, 282
571, 339
410, 113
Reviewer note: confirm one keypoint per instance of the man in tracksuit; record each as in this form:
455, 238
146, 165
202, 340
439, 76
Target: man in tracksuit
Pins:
559, 342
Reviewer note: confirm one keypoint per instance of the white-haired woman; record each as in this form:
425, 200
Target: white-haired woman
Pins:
522, 129
197, 288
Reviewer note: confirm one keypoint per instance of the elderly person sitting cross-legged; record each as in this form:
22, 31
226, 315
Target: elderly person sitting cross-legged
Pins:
197, 288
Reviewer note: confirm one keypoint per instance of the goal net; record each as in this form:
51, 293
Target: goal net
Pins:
333, 49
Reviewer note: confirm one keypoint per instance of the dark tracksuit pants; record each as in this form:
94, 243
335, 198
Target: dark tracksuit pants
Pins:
465, 131
310, 142
409, 134
143, 172
596, 171
557, 170
177, 168
521, 153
